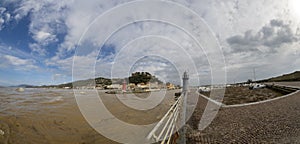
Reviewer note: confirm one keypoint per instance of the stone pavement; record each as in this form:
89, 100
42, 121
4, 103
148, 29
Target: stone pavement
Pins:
275, 121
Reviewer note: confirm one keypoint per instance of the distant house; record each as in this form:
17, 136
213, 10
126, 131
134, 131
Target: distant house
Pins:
131, 86
154, 85
114, 86
204, 89
170, 86
99, 86
143, 86
256, 86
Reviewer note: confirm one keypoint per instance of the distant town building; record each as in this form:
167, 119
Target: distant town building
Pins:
153, 85
114, 86
124, 86
170, 86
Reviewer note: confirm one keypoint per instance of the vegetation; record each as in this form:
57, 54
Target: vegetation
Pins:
90, 82
295, 76
142, 77
103, 81
249, 81
136, 78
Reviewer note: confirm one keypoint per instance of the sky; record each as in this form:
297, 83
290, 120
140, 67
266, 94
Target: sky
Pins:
216, 41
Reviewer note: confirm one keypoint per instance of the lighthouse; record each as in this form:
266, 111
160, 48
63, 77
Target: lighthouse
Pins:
185, 82
184, 93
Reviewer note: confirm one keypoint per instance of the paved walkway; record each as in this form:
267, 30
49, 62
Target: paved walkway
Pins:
290, 84
276, 121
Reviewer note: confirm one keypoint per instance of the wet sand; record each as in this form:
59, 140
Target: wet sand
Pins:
52, 116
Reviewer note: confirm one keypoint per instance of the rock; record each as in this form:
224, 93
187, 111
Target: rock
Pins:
2, 132
20, 89
18, 124
242, 129
158, 117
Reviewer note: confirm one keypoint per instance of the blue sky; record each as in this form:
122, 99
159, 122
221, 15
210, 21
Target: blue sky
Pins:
38, 40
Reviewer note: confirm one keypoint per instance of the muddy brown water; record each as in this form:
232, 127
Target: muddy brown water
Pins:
52, 116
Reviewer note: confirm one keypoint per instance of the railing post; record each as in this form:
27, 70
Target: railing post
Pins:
182, 132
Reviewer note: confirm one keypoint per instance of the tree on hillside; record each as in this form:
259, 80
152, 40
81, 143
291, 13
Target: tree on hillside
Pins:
142, 77
249, 81
103, 81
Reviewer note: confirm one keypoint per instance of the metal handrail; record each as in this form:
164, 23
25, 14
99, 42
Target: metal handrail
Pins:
167, 123
171, 125
172, 115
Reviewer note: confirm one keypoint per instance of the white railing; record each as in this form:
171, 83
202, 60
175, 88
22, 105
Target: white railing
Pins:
167, 123
170, 120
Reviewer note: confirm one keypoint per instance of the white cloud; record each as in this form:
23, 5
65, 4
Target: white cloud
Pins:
229, 20
2, 10
14, 51
80, 15
272, 50
44, 36
7, 16
272, 36
4, 17
36, 48
47, 19
18, 63
1, 23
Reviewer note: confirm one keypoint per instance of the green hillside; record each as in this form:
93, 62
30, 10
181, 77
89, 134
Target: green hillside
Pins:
295, 76
88, 82
137, 77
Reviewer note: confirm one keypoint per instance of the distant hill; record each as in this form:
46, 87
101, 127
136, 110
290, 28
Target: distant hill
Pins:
295, 76
88, 82
24, 86
137, 77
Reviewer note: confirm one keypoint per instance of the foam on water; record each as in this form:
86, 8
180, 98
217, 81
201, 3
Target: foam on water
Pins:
56, 99
32, 99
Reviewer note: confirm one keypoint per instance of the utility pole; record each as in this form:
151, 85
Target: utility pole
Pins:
185, 83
